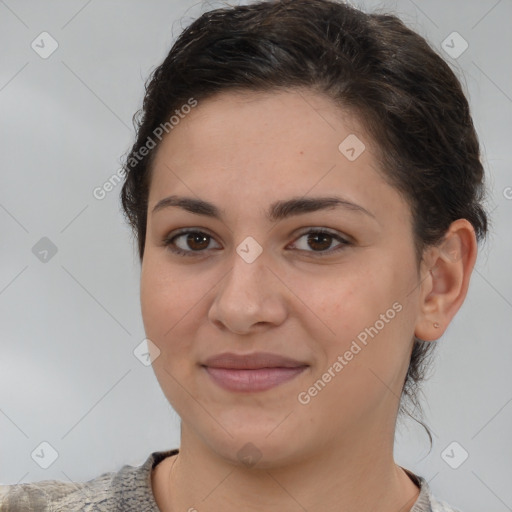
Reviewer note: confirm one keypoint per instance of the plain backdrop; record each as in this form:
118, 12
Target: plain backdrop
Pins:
70, 317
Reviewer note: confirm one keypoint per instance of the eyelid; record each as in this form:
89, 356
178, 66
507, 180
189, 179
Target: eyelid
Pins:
168, 240
344, 240
320, 229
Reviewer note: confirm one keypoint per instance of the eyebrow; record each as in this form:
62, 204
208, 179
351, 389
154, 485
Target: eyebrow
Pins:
277, 211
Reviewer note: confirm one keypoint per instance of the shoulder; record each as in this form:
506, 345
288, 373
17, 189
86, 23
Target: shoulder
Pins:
441, 506
426, 501
127, 489
50, 495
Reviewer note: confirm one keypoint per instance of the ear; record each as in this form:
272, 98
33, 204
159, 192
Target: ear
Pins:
445, 273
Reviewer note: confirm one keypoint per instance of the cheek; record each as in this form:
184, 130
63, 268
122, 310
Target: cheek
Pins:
366, 303
154, 296
345, 299
174, 304
167, 304
167, 296
373, 349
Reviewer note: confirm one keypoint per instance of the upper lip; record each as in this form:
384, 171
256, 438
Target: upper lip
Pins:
253, 361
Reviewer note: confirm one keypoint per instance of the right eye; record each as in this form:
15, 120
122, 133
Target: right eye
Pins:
189, 242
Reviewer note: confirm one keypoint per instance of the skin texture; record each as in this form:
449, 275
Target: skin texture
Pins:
243, 152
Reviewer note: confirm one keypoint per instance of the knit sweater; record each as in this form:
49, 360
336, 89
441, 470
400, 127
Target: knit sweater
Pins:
129, 490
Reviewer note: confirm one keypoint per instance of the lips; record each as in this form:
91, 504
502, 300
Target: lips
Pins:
252, 372
254, 361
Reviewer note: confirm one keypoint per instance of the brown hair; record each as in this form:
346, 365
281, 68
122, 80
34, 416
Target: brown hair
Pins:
405, 95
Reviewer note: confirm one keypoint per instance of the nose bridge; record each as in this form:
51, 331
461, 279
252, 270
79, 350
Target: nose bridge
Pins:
245, 282
249, 294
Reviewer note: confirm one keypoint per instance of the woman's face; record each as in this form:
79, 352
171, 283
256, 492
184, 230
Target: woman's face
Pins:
341, 305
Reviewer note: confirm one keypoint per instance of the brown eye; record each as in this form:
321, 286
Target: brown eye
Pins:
320, 241
197, 241
189, 242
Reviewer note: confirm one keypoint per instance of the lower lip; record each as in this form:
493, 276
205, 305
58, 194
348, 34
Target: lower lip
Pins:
252, 380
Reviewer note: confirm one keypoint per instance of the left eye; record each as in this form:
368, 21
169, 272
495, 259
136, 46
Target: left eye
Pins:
320, 241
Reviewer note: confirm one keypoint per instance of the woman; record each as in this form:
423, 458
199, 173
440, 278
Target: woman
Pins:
305, 190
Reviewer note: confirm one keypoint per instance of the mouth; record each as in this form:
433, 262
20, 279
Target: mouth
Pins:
253, 372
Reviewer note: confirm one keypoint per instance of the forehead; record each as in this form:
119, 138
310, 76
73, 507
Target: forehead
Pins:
246, 122
265, 146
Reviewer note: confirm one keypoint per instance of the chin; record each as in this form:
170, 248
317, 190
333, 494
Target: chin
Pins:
254, 448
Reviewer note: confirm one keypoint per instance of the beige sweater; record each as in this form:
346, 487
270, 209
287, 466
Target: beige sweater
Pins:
129, 490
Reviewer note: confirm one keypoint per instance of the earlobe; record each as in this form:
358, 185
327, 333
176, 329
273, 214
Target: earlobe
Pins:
447, 270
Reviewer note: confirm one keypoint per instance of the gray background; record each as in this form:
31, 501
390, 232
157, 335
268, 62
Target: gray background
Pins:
69, 325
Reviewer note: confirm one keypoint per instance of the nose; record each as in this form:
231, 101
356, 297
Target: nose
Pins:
249, 298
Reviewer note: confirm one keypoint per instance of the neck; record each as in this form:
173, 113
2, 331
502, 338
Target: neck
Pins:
345, 476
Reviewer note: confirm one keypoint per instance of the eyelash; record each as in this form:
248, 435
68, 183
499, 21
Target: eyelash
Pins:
169, 242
